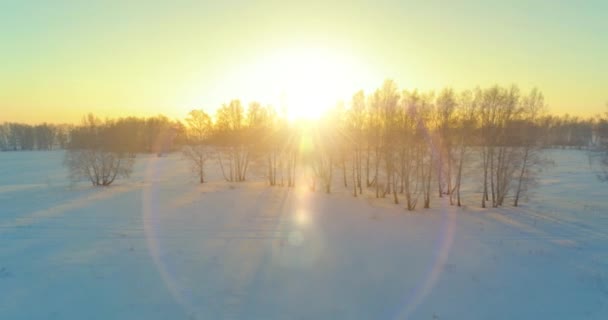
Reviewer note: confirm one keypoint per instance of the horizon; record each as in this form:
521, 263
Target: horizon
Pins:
66, 60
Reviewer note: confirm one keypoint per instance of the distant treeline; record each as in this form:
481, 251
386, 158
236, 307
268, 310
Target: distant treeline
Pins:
18, 136
571, 131
130, 134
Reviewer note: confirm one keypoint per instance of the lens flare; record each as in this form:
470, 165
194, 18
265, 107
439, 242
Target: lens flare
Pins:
302, 218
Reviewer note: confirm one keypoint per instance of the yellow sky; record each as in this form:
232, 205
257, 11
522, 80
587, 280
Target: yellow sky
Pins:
61, 60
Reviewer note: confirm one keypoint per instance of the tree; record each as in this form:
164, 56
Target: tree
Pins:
62, 135
337, 115
412, 147
273, 141
45, 136
428, 155
383, 112
323, 156
93, 155
230, 136
21, 137
446, 107
158, 134
198, 152
463, 132
355, 134
498, 108
529, 133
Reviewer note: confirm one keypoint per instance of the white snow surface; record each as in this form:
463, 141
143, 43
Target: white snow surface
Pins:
161, 246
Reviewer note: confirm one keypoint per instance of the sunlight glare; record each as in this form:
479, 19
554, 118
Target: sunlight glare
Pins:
300, 82
302, 218
308, 81
306, 141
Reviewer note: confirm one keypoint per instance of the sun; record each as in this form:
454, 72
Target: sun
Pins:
311, 82
308, 80
300, 82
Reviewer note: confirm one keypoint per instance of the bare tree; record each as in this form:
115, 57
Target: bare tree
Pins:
355, 138
92, 155
446, 107
462, 135
337, 115
198, 152
531, 157
100, 167
382, 116
230, 135
389, 109
45, 136
428, 155
272, 140
323, 164
498, 107
412, 149
324, 152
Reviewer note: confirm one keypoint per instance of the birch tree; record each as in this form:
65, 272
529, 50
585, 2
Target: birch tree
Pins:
198, 151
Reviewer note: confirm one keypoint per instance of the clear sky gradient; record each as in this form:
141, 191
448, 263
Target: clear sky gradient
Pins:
62, 59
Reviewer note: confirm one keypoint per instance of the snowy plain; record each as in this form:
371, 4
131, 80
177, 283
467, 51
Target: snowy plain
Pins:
160, 246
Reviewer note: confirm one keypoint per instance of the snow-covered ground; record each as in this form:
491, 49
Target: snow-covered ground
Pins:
160, 246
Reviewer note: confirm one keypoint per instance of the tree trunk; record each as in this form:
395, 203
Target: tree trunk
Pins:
521, 177
354, 175
359, 184
484, 196
376, 174
344, 171
395, 199
200, 173
368, 183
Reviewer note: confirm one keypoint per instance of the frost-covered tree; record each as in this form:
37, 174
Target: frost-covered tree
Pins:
198, 150
462, 137
323, 160
355, 134
529, 139
498, 108
446, 111
93, 154
234, 145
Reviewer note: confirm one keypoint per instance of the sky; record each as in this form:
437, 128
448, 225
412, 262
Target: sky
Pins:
60, 60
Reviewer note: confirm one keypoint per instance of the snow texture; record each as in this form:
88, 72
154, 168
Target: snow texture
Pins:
161, 246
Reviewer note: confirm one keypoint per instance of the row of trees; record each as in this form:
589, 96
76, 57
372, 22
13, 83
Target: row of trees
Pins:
404, 144
410, 144
136, 134
238, 136
101, 151
572, 132
398, 144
